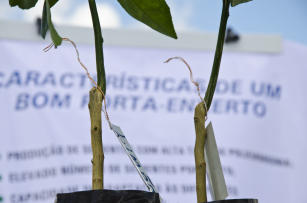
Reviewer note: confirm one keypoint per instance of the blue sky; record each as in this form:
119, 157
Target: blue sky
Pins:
286, 18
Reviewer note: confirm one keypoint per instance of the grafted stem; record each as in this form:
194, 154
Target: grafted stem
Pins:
95, 105
201, 112
199, 153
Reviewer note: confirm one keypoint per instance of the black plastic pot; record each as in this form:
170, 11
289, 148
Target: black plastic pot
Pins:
236, 201
109, 196
124, 196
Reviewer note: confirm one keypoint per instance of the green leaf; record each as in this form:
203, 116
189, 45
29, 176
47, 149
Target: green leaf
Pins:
154, 13
23, 4
57, 40
44, 25
237, 2
52, 2
13, 3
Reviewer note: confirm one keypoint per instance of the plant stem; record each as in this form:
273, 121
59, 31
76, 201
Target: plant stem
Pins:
199, 153
218, 54
101, 76
95, 105
200, 112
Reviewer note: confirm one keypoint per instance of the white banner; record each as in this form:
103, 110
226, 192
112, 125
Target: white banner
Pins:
259, 116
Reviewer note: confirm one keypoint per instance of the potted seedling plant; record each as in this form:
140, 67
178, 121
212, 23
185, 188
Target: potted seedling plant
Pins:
201, 110
155, 14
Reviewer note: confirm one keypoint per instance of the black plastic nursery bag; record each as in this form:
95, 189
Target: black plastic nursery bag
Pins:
109, 196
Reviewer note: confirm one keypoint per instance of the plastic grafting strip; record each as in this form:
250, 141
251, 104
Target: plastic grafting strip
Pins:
135, 161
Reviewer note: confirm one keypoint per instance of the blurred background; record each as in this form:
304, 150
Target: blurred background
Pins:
287, 18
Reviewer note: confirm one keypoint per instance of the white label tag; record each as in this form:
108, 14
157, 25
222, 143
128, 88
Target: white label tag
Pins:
135, 161
215, 174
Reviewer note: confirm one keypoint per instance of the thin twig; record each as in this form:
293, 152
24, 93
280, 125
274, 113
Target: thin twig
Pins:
46, 49
191, 78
